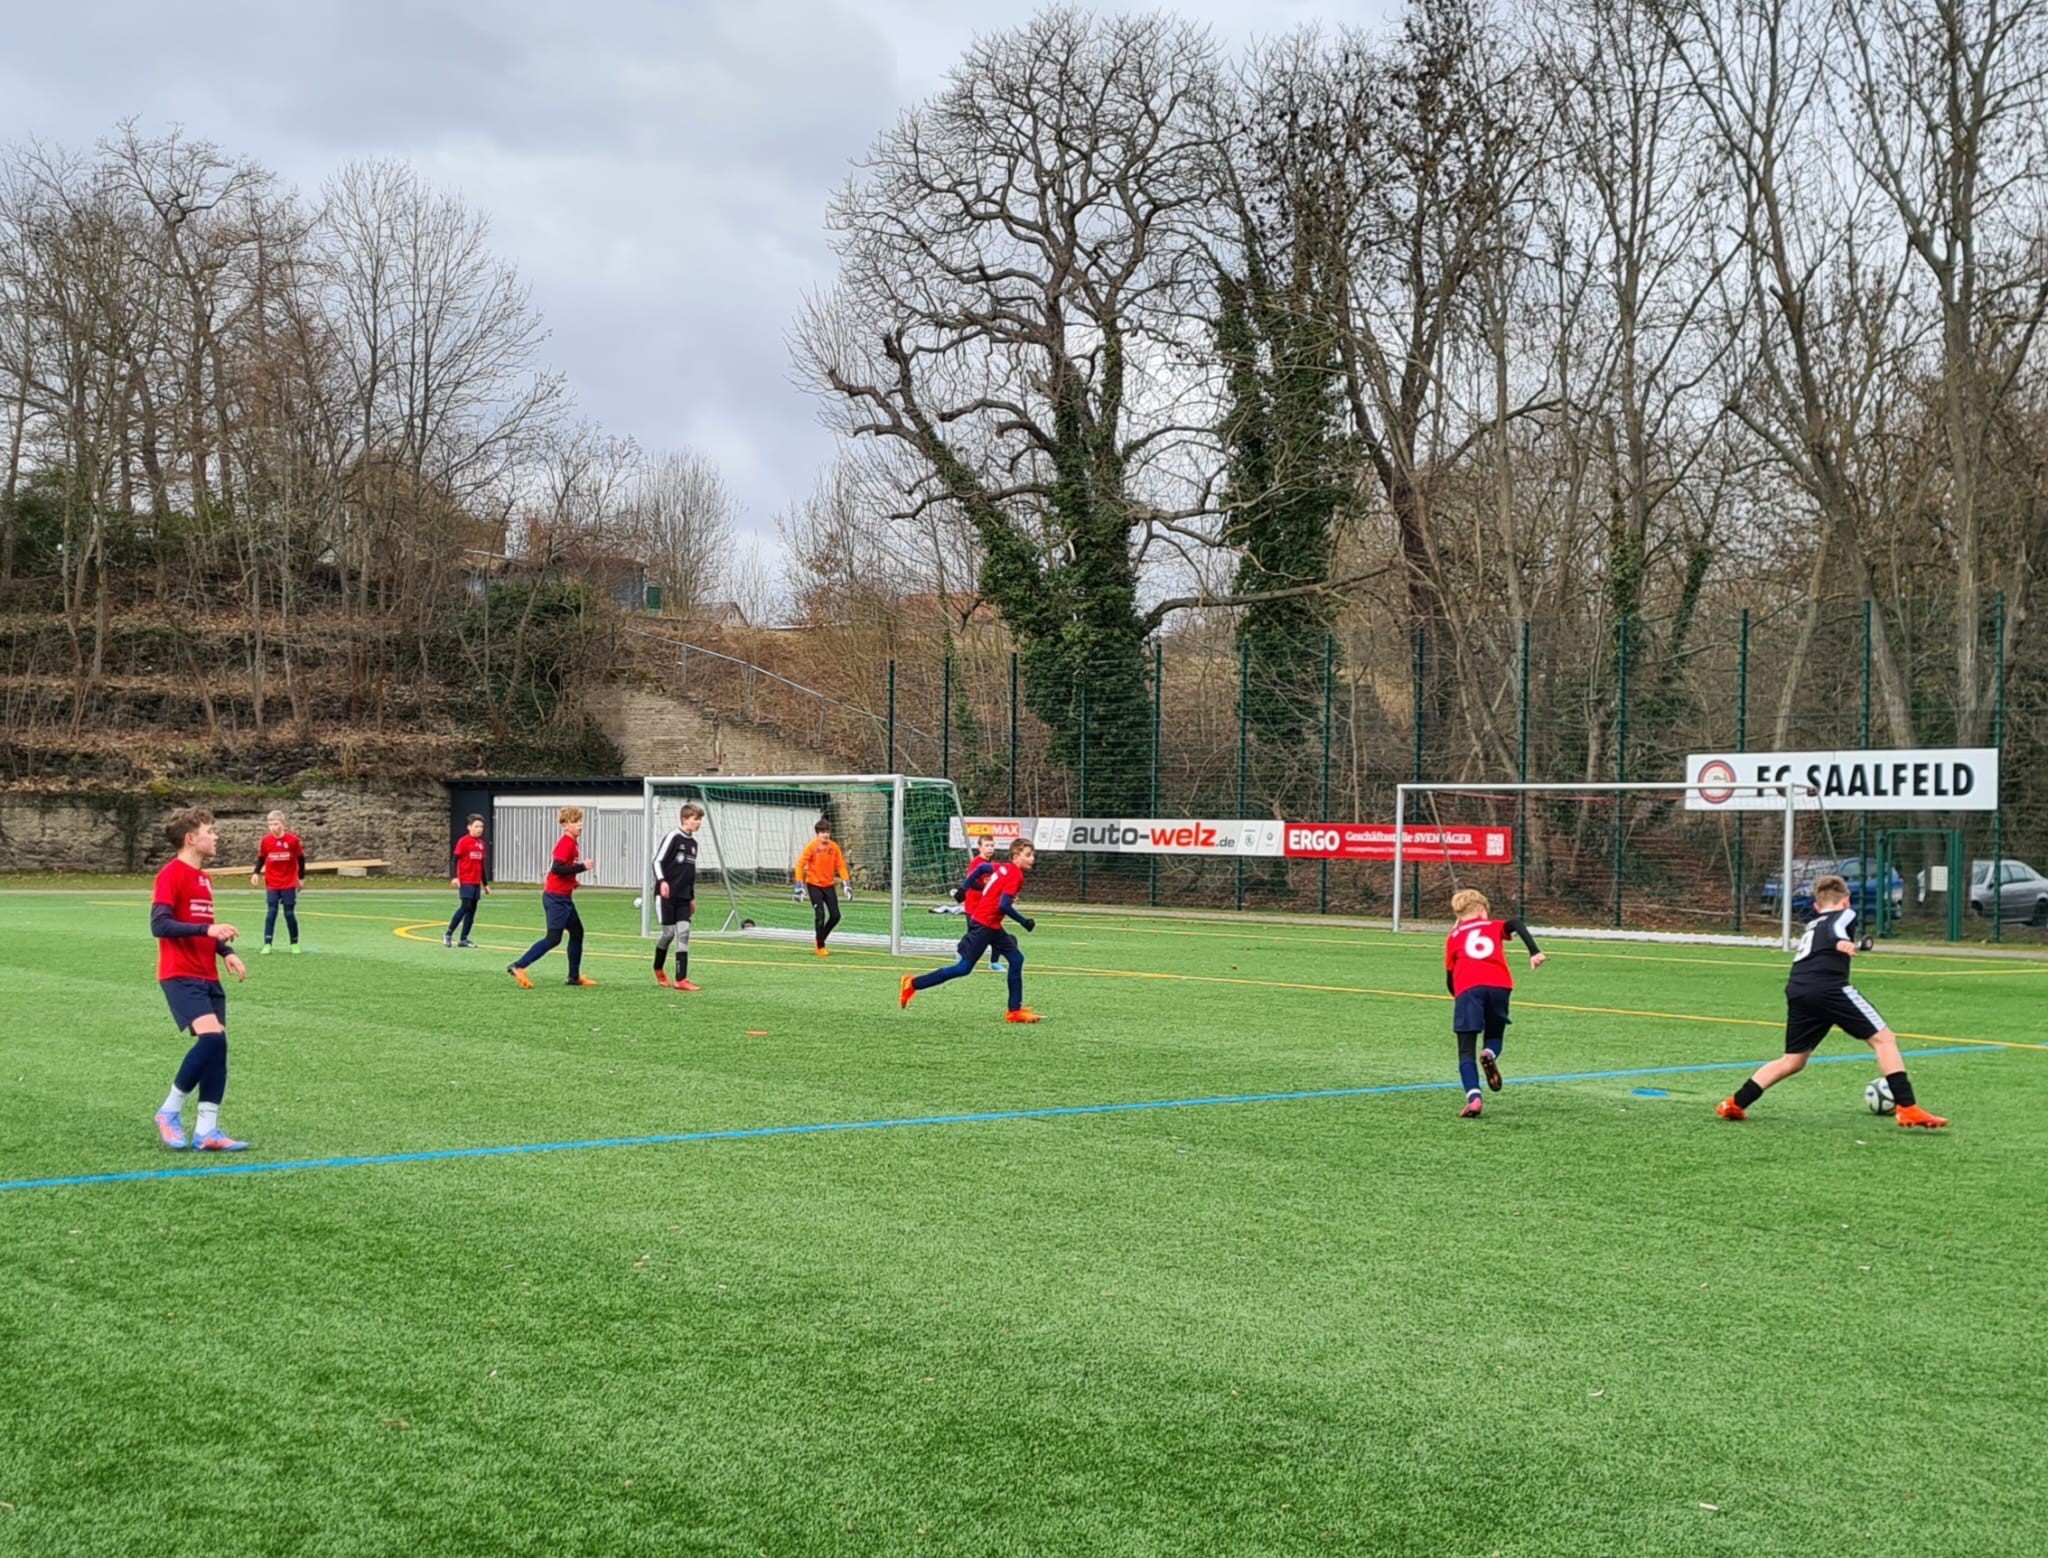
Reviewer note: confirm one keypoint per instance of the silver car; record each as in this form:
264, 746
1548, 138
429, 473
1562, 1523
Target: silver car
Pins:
2022, 891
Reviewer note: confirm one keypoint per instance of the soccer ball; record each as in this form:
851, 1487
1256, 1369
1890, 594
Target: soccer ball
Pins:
1879, 1096
637, 902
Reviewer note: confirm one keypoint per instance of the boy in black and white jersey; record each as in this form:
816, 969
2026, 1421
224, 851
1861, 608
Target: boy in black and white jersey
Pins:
675, 879
1818, 998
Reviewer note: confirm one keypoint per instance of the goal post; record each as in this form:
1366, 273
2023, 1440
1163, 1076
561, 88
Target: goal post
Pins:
895, 829
1612, 860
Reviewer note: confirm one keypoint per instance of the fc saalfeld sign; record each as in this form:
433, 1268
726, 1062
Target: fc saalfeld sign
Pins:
1919, 779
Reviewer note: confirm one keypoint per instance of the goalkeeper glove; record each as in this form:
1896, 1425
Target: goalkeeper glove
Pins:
1028, 922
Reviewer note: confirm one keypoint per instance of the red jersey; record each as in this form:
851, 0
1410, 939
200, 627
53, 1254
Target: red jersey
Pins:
985, 907
284, 860
1476, 956
469, 861
566, 853
187, 892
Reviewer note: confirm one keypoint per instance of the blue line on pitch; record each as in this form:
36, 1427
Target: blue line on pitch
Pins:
993, 1116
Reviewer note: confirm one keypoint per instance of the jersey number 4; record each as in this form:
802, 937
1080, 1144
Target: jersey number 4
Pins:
1479, 946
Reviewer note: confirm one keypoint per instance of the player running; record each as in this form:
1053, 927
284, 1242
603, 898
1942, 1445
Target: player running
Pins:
470, 881
1476, 974
820, 871
987, 908
675, 877
1819, 997
189, 940
280, 872
558, 904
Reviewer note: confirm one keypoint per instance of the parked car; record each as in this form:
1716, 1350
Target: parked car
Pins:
2022, 891
1868, 885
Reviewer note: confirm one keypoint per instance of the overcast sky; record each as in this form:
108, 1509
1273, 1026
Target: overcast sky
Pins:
658, 172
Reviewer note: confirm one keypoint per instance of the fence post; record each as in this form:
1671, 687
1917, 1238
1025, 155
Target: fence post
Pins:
946, 722
1863, 739
1620, 754
1081, 804
1416, 774
889, 767
1158, 700
1013, 733
1996, 902
1522, 777
1329, 680
1244, 671
1741, 745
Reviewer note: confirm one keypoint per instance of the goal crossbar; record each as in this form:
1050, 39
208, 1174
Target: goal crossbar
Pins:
1796, 798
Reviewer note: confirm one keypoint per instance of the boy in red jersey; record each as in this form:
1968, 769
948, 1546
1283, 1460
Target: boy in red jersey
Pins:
280, 872
470, 881
979, 869
986, 910
189, 940
1476, 974
558, 903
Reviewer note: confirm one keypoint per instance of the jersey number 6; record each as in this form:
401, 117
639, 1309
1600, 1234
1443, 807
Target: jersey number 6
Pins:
1479, 946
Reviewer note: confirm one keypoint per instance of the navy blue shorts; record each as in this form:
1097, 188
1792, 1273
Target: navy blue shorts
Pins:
191, 999
280, 897
1482, 1009
560, 909
469, 892
980, 939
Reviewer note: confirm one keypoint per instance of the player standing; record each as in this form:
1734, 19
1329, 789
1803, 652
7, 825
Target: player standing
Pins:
978, 871
189, 940
471, 881
1476, 974
820, 870
558, 904
1819, 997
986, 911
280, 872
675, 878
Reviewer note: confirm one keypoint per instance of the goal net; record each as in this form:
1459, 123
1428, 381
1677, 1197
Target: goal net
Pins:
895, 832
1614, 860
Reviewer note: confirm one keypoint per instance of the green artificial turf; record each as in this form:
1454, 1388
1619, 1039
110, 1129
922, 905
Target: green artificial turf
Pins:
1592, 1322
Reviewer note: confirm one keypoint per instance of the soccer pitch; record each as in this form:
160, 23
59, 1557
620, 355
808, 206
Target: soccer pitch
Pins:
1296, 1308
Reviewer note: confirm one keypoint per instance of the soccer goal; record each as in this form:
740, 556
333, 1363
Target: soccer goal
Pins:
1618, 861
895, 830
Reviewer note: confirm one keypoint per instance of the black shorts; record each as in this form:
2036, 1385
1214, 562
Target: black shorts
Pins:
1482, 1009
1808, 1018
191, 999
673, 909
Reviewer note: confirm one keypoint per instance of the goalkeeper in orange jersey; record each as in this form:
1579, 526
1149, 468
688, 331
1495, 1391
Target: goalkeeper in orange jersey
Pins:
821, 872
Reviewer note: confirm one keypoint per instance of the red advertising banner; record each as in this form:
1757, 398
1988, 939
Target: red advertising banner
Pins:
1364, 841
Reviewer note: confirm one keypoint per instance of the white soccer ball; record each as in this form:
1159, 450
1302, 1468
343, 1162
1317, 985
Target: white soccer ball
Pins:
637, 902
1879, 1096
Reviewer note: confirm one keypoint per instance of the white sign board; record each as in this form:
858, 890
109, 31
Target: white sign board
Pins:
1922, 779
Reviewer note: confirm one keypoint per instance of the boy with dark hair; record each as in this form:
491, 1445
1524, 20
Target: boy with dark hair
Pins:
1818, 998
280, 872
1477, 976
189, 940
675, 886
820, 870
558, 905
471, 881
987, 909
